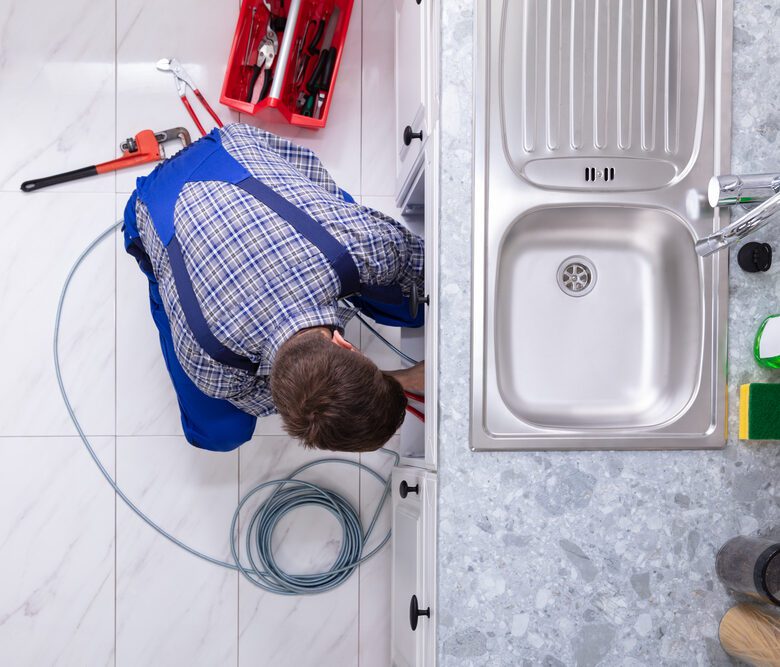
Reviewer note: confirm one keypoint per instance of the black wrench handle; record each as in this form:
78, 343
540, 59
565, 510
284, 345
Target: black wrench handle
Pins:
76, 174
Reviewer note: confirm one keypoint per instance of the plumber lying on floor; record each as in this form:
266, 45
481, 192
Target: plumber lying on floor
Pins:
249, 245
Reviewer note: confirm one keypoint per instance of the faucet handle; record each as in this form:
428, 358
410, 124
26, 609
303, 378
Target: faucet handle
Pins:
730, 189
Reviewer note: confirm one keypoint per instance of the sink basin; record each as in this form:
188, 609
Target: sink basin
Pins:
595, 323
622, 350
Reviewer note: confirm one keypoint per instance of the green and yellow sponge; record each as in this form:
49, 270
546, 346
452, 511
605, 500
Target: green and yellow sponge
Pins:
759, 411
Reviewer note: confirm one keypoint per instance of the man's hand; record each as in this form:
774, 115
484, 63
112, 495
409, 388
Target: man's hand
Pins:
411, 379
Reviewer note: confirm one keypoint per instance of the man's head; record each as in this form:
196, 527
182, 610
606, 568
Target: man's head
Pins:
331, 396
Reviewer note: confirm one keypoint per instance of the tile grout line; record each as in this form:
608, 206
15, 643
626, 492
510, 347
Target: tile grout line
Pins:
109, 435
360, 456
362, 20
116, 309
11, 436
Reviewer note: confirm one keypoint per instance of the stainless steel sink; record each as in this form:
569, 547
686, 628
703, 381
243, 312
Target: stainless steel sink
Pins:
597, 128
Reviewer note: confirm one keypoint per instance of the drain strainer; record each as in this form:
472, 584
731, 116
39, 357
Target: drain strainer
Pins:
576, 276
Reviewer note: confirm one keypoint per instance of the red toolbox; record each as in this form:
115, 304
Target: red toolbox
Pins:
306, 39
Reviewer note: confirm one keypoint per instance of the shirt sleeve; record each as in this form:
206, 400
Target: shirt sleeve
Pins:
403, 254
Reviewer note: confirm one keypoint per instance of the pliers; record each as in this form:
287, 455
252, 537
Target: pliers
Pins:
182, 80
266, 53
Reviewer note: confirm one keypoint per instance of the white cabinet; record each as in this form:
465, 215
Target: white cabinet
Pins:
417, 195
417, 103
413, 23
413, 620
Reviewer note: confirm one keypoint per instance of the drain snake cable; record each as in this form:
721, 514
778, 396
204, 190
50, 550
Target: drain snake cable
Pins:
259, 566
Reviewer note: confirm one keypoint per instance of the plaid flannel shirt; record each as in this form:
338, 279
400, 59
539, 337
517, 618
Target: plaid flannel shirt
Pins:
256, 279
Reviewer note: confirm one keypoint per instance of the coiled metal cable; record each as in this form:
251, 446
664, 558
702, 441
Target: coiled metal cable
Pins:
288, 494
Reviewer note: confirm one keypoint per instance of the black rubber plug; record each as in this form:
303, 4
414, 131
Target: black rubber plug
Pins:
754, 257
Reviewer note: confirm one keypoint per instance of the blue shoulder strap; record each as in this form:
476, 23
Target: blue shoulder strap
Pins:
338, 256
203, 160
207, 160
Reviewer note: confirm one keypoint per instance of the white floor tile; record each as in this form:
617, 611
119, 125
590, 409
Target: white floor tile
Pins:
375, 574
271, 425
171, 607
57, 87
378, 92
309, 631
41, 236
338, 143
196, 32
56, 553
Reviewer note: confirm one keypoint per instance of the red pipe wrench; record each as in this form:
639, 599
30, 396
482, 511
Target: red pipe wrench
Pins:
146, 146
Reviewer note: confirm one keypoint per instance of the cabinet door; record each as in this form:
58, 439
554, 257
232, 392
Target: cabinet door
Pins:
428, 596
408, 544
410, 88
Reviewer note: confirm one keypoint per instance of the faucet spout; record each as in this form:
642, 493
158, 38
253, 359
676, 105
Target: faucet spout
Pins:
750, 222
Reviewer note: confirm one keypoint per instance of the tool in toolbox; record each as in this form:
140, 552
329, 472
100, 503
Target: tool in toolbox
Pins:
324, 87
266, 53
319, 82
314, 46
146, 146
301, 56
317, 86
249, 39
182, 80
303, 52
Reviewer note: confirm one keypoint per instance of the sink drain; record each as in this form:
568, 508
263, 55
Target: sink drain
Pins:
576, 276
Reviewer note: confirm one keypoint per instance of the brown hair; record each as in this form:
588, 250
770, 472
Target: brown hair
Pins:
332, 398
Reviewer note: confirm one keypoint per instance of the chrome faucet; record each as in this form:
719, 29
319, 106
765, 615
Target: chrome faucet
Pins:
749, 190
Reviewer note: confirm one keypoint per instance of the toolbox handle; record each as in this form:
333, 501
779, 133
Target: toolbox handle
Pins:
283, 56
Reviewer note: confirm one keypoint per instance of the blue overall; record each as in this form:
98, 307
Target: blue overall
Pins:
208, 422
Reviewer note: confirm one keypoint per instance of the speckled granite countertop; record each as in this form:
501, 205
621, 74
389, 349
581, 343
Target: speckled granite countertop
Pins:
599, 558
